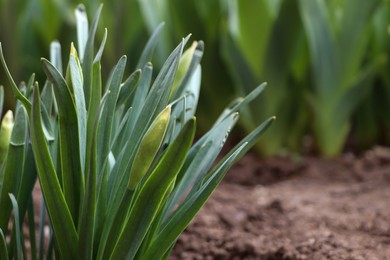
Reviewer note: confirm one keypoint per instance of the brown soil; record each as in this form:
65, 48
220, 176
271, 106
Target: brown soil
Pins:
307, 208
302, 208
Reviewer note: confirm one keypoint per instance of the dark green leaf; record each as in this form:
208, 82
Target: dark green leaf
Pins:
148, 201
72, 172
13, 165
128, 87
105, 126
60, 216
31, 225
1, 99
147, 53
3, 246
15, 90
192, 204
88, 211
87, 60
19, 250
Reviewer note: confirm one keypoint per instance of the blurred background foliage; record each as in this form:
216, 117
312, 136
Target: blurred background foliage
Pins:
326, 61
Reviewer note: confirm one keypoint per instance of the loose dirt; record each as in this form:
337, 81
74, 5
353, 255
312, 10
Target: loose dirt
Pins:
306, 208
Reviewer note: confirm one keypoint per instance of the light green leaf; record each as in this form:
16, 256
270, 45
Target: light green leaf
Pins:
56, 56
149, 146
82, 29
7, 125
78, 94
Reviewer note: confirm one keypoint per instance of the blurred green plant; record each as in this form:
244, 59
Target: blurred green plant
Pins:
337, 47
264, 41
119, 174
371, 120
316, 73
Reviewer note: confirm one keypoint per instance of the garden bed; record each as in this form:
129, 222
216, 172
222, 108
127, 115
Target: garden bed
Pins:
306, 208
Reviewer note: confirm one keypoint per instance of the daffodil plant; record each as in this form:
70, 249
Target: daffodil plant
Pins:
120, 172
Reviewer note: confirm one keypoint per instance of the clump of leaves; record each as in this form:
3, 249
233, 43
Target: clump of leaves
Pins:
120, 175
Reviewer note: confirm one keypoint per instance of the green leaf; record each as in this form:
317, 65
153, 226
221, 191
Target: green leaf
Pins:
72, 172
19, 250
31, 225
353, 35
156, 100
250, 24
128, 87
179, 221
78, 94
99, 54
30, 85
184, 65
42, 223
140, 95
187, 84
14, 165
88, 211
147, 203
47, 100
121, 133
147, 52
105, 126
206, 151
15, 90
82, 29
240, 103
55, 55
93, 107
60, 216
28, 180
337, 57
1, 99
87, 61
5, 135
324, 54
114, 224
186, 211
3, 246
